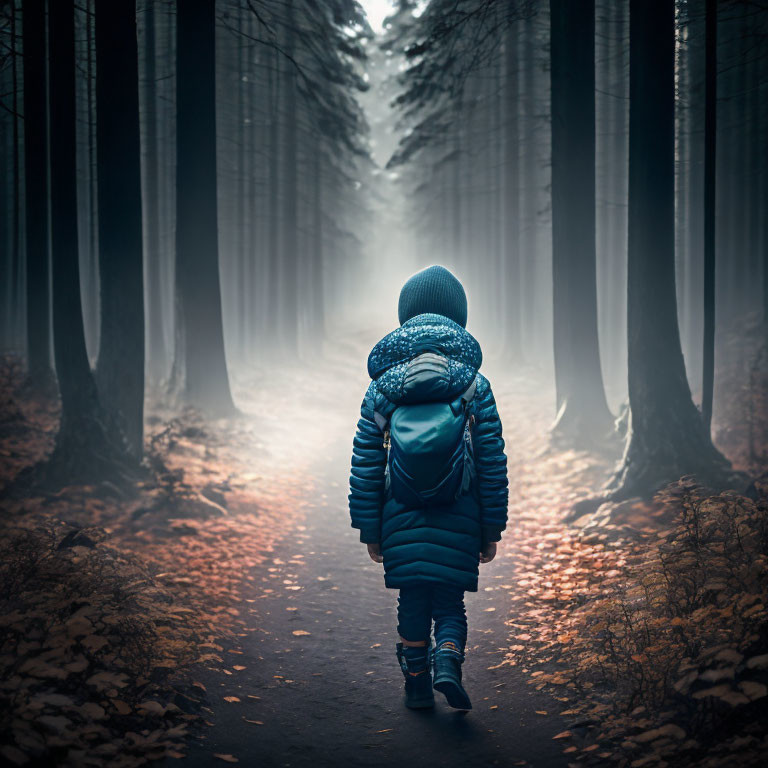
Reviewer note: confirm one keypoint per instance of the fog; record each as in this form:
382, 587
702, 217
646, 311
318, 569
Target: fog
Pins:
344, 153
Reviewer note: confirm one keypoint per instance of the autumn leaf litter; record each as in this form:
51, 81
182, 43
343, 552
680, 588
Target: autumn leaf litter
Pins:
646, 623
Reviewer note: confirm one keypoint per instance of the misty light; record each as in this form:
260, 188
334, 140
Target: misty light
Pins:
377, 11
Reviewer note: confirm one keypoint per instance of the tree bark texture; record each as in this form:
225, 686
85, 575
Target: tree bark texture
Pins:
120, 369
583, 414
206, 381
667, 438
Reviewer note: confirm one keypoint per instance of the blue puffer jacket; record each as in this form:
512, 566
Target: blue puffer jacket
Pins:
437, 544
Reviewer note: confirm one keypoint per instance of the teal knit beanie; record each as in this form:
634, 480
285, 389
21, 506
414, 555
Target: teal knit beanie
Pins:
434, 289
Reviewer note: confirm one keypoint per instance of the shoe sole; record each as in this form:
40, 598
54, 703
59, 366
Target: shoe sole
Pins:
454, 695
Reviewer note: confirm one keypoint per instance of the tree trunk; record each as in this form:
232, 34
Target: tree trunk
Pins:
494, 182
289, 254
317, 275
528, 212
683, 206
710, 145
83, 452
36, 176
120, 370
729, 302
691, 327
751, 187
610, 164
156, 351
455, 194
762, 243
511, 186
253, 249
6, 215
241, 254
206, 382
16, 271
583, 415
274, 190
667, 438
89, 268
167, 206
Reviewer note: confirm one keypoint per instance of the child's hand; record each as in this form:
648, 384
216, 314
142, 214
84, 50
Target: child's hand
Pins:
374, 550
488, 553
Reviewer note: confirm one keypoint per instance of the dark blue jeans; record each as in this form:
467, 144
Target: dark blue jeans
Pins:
418, 606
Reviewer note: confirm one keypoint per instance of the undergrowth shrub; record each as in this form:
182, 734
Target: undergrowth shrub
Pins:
89, 646
680, 648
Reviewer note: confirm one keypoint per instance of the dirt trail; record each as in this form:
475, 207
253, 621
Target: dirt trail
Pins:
316, 681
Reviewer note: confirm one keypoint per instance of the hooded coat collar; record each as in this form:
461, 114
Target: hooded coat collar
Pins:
391, 361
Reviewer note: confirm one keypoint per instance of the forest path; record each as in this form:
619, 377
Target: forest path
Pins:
315, 680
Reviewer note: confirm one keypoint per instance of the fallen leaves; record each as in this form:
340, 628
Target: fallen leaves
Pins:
753, 690
103, 681
82, 653
675, 731
181, 551
103, 617
758, 662
121, 707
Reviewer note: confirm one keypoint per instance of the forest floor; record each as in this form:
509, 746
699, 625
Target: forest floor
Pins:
233, 615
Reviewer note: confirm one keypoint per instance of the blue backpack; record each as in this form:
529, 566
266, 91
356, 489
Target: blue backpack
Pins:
430, 458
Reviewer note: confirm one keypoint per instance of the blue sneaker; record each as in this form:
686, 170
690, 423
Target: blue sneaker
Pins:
447, 664
418, 681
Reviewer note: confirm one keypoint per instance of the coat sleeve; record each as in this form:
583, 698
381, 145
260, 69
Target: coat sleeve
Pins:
366, 482
491, 464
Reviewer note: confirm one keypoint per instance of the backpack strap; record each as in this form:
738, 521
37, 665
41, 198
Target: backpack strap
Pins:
469, 393
462, 402
381, 421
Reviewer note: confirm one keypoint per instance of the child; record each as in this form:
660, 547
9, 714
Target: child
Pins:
428, 489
